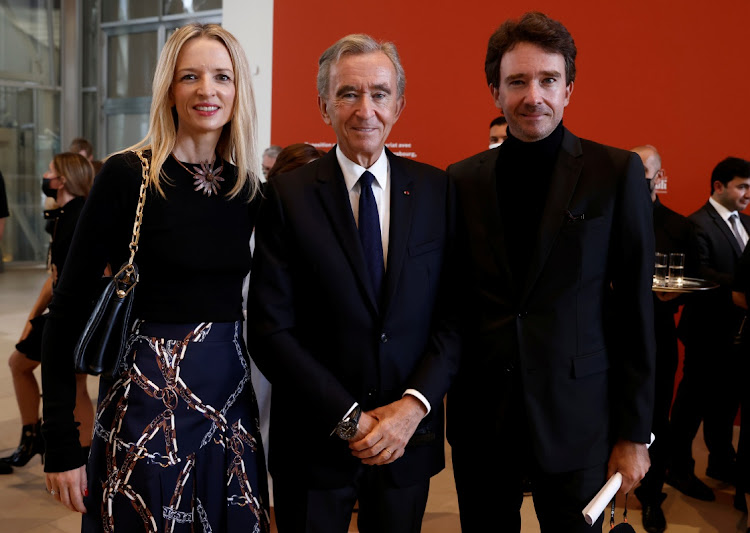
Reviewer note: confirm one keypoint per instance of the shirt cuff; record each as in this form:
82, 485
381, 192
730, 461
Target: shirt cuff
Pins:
419, 396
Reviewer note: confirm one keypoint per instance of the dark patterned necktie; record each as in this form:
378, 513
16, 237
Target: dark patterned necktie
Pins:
735, 222
369, 231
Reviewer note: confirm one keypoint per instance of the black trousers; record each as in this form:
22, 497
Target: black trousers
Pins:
666, 366
743, 448
709, 391
382, 507
488, 484
489, 476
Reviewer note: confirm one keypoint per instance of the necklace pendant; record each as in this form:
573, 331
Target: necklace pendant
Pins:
207, 179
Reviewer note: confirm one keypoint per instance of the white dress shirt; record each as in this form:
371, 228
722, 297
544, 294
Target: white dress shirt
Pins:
725, 213
381, 190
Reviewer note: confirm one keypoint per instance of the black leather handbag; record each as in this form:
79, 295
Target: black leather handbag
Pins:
101, 349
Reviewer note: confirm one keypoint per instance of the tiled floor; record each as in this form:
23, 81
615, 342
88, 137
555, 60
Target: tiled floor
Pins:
25, 507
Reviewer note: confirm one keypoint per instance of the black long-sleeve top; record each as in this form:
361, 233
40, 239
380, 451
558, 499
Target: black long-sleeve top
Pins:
193, 255
4, 212
63, 221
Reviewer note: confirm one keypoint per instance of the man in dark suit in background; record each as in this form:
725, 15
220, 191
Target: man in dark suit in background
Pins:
709, 389
498, 131
673, 233
556, 377
346, 320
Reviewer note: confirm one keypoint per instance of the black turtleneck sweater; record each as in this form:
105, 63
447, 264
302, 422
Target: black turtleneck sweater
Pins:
524, 171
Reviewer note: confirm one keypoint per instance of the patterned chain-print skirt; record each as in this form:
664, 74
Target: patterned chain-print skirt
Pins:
177, 445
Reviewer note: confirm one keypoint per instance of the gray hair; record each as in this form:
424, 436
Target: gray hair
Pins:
272, 151
355, 44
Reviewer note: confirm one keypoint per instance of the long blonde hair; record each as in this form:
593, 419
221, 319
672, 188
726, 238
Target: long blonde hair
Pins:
237, 143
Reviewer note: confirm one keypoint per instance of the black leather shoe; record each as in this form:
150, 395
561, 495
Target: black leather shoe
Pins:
739, 501
726, 473
690, 485
5, 468
654, 520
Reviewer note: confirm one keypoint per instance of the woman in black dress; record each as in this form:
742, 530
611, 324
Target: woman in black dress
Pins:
176, 442
68, 181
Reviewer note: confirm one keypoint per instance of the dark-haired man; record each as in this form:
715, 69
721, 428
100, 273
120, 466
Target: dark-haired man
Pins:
709, 390
498, 131
556, 377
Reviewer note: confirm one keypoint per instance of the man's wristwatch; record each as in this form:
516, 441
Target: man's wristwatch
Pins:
347, 428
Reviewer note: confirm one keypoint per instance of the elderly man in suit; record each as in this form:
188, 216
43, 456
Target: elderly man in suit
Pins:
673, 233
346, 316
709, 389
556, 378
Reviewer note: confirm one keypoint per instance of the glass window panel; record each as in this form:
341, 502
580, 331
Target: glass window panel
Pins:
125, 130
48, 127
131, 63
30, 42
89, 122
29, 136
174, 7
114, 10
89, 43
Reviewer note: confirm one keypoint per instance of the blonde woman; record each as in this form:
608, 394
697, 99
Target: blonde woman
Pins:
176, 443
68, 181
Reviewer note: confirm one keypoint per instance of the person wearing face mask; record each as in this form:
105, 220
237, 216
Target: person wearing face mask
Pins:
68, 182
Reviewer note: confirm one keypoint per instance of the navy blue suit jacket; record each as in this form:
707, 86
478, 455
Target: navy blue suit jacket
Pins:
321, 337
711, 319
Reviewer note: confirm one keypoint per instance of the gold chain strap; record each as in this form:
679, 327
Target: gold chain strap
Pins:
139, 209
127, 277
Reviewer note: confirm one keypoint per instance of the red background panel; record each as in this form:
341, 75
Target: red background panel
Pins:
671, 74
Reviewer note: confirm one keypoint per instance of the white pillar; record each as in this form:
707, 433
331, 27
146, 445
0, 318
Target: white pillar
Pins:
251, 21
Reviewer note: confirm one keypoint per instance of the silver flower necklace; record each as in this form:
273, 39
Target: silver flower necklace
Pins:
206, 178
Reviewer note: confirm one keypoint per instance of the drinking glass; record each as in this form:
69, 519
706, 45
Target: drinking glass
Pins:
676, 269
660, 270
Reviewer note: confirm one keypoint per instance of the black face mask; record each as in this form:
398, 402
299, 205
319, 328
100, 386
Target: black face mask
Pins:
48, 190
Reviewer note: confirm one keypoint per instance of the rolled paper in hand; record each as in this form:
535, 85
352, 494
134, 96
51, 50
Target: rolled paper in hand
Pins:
595, 507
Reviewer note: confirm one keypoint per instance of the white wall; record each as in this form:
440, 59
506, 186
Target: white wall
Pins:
251, 21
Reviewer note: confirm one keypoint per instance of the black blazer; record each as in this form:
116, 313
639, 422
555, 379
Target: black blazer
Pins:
580, 337
711, 317
318, 333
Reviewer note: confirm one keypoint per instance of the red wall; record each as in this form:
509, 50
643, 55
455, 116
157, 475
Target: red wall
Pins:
672, 74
